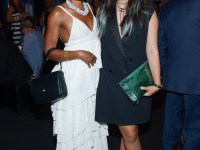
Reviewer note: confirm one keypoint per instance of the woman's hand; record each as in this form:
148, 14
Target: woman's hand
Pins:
150, 90
87, 57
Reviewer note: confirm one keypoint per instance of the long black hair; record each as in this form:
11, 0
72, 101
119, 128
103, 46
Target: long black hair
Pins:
134, 11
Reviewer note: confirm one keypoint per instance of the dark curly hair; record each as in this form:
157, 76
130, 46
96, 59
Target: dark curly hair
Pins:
29, 22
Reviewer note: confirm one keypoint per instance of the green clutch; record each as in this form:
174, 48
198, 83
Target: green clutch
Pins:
140, 77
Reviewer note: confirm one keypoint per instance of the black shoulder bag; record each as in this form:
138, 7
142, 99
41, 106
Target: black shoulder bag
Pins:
50, 87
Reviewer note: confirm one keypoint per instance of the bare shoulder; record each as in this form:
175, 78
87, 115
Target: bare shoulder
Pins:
154, 17
58, 14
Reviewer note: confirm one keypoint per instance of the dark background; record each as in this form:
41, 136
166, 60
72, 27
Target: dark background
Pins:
26, 126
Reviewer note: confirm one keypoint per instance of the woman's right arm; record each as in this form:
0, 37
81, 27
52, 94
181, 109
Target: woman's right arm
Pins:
56, 20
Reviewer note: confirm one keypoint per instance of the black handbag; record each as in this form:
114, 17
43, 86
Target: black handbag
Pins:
49, 87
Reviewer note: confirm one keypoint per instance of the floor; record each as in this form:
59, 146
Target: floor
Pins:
22, 129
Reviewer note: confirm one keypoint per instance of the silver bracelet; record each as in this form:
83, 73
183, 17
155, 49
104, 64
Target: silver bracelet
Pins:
158, 86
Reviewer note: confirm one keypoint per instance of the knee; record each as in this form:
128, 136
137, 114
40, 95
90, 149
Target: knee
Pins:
131, 137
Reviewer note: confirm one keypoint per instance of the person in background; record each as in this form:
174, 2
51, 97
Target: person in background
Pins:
33, 44
129, 32
29, 8
44, 16
179, 48
14, 70
13, 66
14, 17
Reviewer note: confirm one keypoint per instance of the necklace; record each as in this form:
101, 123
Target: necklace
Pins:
122, 12
78, 10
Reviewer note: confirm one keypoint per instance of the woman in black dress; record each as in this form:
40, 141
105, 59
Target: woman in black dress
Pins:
128, 30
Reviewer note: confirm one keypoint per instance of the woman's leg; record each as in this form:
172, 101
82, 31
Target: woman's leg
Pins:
130, 137
122, 147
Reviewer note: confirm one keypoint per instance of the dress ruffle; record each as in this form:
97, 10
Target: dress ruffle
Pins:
74, 123
79, 132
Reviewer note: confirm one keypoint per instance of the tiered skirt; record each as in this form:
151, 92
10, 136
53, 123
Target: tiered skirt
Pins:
74, 123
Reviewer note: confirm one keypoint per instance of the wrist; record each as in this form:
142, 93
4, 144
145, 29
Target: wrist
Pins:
79, 54
17, 18
158, 85
66, 55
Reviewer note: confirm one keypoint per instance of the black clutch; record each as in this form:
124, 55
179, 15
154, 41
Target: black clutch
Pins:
50, 87
131, 84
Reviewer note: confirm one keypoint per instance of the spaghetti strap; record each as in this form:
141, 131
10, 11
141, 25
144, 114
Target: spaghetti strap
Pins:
65, 10
90, 8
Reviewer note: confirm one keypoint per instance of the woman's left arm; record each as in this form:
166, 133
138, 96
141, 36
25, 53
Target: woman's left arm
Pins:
153, 55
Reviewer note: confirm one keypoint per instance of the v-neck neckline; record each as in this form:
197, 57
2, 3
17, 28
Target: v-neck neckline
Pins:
118, 31
86, 24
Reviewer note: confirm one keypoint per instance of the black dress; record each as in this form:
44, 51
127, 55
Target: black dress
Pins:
120, 56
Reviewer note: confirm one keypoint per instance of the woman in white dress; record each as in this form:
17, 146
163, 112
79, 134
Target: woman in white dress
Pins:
74, 124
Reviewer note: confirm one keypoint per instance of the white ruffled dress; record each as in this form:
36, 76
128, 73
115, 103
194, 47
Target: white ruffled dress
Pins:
73, 116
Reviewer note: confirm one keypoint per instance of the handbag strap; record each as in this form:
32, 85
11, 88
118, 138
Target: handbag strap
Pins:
48, 52
43, 63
